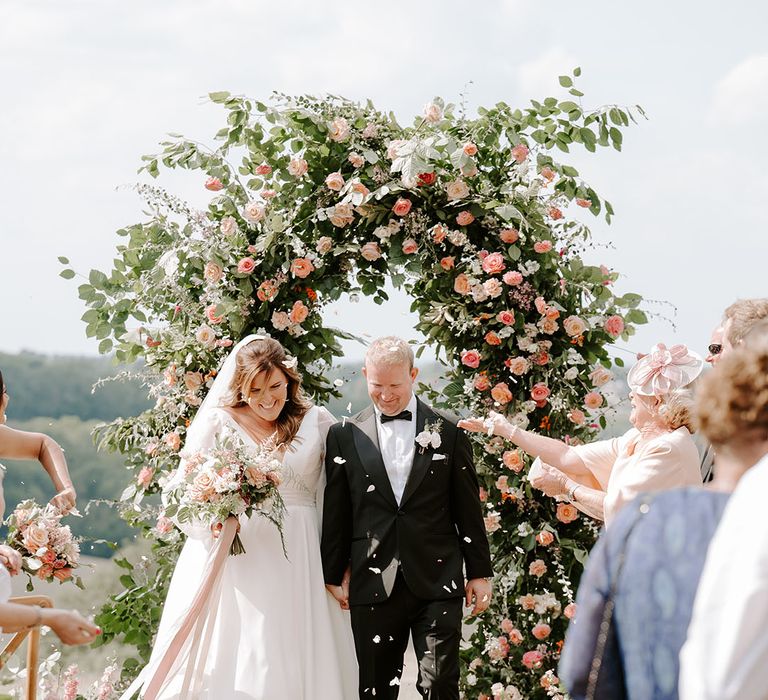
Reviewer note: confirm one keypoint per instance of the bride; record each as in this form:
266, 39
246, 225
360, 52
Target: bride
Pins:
258, 626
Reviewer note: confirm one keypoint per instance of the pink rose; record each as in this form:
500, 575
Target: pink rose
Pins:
584, 203
246, 266
600, 376
465, 218
542, 246
507, 625
492, 522
541, 305
410, 246
576, 416
512, 278
541, 631
502, 483
164, 525
298, 167
212, 272
299, 312
470, 149
520, 152
555, 213
509, 235
461, 284
540, 391
570, 611
213, 184
537, 568
519, 365
371, 131
493, 264
370, 251
481, 382
402, 206
439, 232
145, 477
515, 637
470, 358
506, 317
593, 400
433, 113
356, 160
545, 538
501, 393
574, 326
35, 537
173, 441
566, 513
301, 267
263, 169
512, 460
334, 181
493, 287
527, 602
281, 321
211, 315
614, 326
253, 212
49, 557
339, 130
533, 659
324, 245
268, 194
447, 262
482, 495
63, 574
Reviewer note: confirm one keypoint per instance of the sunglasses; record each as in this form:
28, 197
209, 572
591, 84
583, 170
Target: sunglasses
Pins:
715, 348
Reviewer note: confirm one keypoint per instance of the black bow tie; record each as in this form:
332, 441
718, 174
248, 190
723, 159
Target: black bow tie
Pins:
403, 415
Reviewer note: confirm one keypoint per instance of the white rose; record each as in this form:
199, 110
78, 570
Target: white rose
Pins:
228, 226
298, 167
206, 336
433, 112
456, 189
253, 212
339, 129
571, 374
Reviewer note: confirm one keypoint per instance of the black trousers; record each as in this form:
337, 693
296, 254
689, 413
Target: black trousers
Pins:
381, 637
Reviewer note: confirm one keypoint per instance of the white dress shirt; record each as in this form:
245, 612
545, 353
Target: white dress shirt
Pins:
725, 656
397, 443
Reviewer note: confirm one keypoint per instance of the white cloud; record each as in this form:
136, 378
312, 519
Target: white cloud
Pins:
538, 77
741, 97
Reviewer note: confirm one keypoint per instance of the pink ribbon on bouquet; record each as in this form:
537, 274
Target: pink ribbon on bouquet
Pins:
195, 613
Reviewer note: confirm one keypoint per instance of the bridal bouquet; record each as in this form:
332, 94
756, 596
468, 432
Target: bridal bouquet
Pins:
228, 480
48, 549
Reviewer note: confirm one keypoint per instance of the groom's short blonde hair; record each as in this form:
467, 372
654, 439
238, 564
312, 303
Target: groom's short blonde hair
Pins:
389, 350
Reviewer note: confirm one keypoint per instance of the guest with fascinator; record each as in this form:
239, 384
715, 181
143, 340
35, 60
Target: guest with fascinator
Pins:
657, 453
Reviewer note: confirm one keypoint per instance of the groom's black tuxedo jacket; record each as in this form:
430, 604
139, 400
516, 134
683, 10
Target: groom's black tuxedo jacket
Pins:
437, 528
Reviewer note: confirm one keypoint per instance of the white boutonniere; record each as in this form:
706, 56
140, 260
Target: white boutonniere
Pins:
430, 436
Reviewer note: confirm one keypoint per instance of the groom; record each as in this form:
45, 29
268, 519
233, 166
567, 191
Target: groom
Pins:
402, 512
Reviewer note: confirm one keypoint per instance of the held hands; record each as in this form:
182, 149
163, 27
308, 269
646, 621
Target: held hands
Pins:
494, 424
10, 559
65, 500
550, 480
478, 590
341, 593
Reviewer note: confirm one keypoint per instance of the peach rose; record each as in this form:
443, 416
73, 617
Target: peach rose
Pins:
507, 625
360, 188
63, 574
501, 393
334, 181
448, 262
268, 194
193, 380
540, 391
246, 266
515, 637
213, 184
493, 264
509, 235
298, 313
144, 478
481, 382
281, 320
533, 659
545, 538
461, 284
410, 246
492, 339
433, 112
228, 225
212, 272
593, 400
35, 537
542, 246
576, 416
370, 251
600, 376
263, 169
356, 160
548, 326
527, 602
465, 218
537, 568
439, 232
470, 358
512, 278
519, 365
541, 631
470, 149
574, 326
339, 129
456, 189
506, 317
547, 173
267, 290
301, 267
492, 522
520, 152
402, 206
555, 213
502, 483
45, 572
206, 336
173, 441
614, 326
566, 513
298, 167
324, 245
482, 494
541, 305
493, 287
49, 557
211, 315
342, 215
253, 212
570, 611
202, 486
586, 203
512, 460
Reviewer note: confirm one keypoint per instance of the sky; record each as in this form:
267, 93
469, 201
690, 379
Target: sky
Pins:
88, 86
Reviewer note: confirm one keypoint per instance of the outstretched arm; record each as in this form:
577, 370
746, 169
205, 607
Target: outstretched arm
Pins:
19, 444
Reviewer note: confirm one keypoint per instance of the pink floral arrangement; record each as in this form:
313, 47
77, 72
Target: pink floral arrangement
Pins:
48, 549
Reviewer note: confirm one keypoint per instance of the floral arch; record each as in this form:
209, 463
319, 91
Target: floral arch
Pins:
474, 217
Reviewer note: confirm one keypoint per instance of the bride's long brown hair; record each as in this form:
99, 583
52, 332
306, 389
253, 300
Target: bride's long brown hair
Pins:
266, 355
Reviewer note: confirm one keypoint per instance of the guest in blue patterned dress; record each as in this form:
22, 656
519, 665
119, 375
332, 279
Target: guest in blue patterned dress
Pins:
635, 600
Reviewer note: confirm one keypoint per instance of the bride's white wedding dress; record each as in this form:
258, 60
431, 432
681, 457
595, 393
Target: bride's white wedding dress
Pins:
273, 631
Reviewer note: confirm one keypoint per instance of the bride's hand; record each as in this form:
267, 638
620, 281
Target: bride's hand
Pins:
494, 424
217, 527
11, 559
65, 500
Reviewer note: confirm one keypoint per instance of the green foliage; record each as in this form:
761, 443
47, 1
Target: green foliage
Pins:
315, 198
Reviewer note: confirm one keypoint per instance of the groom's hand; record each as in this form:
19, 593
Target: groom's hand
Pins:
337, 592
478, 590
